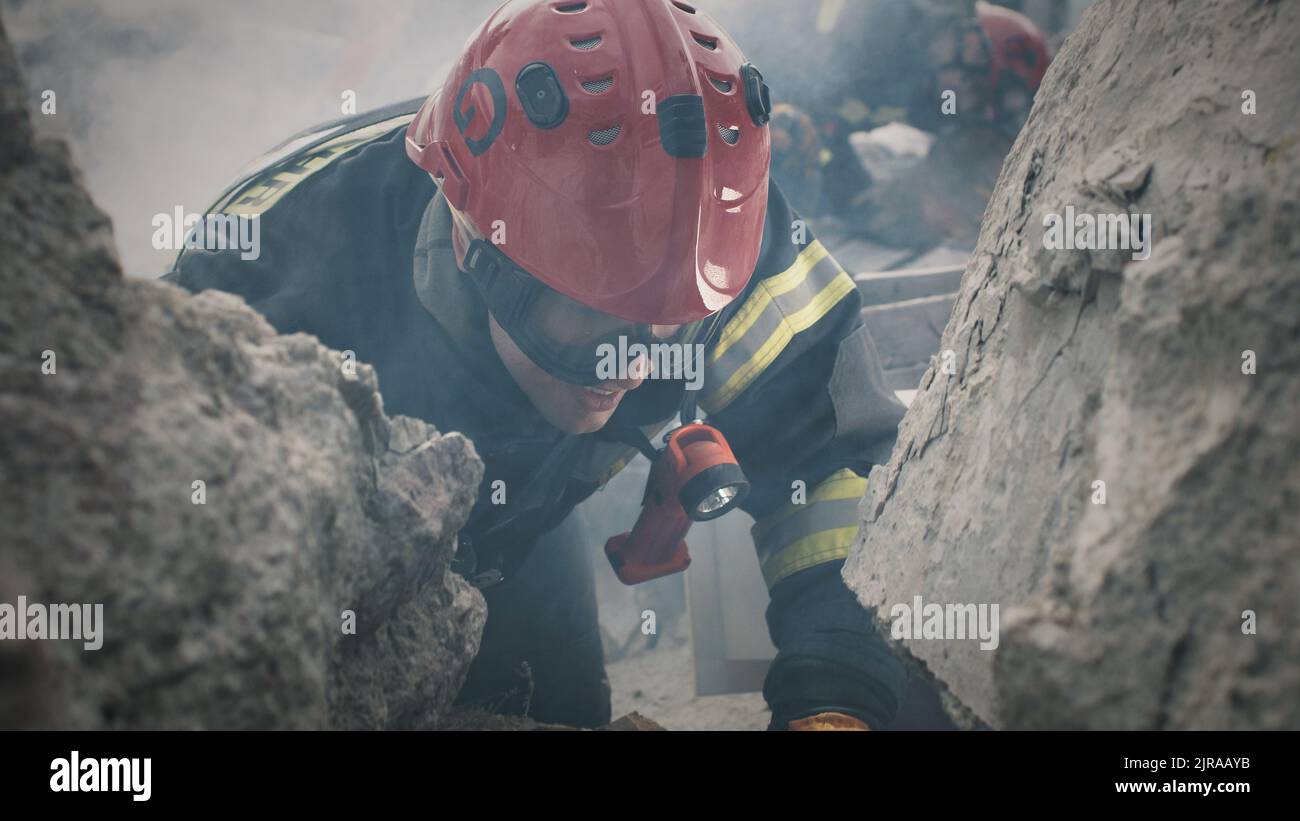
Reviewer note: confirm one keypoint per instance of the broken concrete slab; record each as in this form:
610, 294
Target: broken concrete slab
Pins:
270, 549
1114, 460
881, 287
907, 333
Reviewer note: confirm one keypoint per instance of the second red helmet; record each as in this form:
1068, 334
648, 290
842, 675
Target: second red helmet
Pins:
619, 147
1018, 46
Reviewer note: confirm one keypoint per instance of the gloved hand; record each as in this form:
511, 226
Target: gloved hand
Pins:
831, 668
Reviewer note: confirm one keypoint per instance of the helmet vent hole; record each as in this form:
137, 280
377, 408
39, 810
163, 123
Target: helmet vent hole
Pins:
604, 136
729, 134
586, 43
721, 85
571, 8
711, 43
598, 86
684, 7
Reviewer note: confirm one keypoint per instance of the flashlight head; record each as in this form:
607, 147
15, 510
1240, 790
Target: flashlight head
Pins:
713, 491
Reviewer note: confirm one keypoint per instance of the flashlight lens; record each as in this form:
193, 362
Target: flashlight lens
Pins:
717, 500
713, 491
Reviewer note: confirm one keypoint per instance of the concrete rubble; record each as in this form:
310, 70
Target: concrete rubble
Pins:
1079, 376
226, 605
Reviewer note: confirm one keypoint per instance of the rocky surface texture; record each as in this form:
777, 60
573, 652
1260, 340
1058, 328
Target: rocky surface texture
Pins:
1074, 367
229, 613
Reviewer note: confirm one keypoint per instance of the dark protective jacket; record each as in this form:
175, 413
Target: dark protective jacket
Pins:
355, 249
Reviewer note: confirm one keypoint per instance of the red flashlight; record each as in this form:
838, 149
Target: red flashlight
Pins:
695, 478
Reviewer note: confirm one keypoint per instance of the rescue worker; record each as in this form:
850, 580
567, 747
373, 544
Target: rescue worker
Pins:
993, 63
591, 170
860, 64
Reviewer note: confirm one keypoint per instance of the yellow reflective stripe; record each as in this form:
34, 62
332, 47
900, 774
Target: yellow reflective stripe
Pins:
810, 551
265, 190
840, 485
800, 320
764, 293
825, 526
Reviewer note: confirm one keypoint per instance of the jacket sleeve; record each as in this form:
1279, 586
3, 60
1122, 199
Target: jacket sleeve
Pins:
795, 383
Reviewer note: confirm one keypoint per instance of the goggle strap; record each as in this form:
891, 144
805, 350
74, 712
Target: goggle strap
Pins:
506, 288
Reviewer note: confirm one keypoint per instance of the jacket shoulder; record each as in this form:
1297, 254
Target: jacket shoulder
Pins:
266, 180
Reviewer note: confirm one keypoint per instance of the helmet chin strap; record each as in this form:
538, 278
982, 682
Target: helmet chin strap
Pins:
689, 409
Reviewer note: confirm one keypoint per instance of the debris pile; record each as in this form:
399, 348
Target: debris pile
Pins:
1105, 446
268, 549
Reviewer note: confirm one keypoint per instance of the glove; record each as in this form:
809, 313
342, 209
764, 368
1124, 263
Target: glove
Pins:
831, 668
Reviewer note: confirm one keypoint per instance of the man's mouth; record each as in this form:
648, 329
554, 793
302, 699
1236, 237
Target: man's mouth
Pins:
598, 400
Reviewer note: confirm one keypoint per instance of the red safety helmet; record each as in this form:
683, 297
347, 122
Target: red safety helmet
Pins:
1017, 47
620, 143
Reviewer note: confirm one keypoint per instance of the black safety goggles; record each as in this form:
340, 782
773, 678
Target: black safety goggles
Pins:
565, 338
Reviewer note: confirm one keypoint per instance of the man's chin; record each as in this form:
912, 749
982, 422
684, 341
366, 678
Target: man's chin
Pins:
577, 422
589, 423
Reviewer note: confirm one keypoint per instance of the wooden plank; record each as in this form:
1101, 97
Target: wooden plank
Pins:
896, 286
907, 333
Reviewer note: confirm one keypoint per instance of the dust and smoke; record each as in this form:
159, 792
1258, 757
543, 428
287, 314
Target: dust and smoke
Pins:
163, 103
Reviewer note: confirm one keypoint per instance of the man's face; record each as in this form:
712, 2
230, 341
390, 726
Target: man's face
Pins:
569, 407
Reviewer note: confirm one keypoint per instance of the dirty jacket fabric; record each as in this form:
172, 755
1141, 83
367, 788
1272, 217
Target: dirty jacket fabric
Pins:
355, 249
